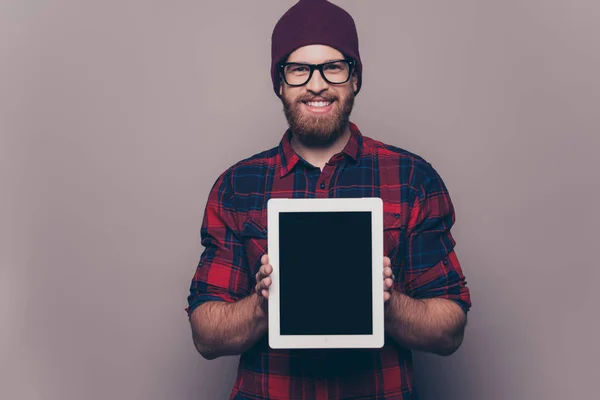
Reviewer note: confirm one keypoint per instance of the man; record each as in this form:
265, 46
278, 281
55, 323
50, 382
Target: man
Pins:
316, 71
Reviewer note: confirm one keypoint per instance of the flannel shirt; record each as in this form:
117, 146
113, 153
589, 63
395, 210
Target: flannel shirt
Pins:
418, 215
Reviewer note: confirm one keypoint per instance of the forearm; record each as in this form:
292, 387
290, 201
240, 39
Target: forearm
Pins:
221, 329
431, 325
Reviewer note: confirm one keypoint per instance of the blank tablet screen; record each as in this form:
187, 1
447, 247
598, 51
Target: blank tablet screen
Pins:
325, 273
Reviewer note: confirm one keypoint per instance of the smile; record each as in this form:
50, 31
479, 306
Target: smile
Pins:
320, 106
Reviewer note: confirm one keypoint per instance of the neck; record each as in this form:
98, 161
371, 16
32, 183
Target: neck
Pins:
319, 156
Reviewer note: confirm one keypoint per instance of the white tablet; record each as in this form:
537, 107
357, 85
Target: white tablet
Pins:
327, 279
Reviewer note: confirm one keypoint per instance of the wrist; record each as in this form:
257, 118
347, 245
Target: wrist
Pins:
260, 307
390, 306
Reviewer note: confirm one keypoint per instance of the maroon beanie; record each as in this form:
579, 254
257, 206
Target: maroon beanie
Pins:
314, 22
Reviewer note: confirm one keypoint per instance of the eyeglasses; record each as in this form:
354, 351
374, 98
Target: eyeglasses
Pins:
334, 72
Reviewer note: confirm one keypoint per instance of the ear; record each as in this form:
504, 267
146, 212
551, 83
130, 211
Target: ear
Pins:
354, 82
280, 89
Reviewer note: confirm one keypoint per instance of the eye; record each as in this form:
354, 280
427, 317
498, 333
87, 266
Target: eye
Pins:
335, 67
297, 69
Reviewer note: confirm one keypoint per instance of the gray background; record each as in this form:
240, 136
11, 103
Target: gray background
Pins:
116, 117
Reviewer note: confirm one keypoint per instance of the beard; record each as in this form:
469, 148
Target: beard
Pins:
315, 130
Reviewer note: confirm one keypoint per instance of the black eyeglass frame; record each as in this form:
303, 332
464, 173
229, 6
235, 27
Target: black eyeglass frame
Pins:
351, 65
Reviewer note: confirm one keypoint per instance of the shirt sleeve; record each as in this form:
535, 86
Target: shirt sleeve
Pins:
432, 268
222, 273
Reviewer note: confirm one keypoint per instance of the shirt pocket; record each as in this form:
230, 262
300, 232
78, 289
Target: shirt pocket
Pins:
393, 237
392, 233
254, 237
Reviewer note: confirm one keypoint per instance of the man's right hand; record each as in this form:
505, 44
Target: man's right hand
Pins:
263, 281
223, 329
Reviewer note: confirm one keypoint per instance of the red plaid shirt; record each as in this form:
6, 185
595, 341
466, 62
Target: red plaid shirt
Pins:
418, 215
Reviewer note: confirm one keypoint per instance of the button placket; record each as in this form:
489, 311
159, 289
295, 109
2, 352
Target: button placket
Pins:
322, 190
323, 182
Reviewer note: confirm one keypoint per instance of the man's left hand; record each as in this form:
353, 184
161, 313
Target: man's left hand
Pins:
388, 279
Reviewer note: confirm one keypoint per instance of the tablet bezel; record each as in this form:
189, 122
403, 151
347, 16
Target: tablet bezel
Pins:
374, 205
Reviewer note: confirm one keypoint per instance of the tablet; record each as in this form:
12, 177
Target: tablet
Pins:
327, 279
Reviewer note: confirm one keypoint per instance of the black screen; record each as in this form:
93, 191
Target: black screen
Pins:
325, 273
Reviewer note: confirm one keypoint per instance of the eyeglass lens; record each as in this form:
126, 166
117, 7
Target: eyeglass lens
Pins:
334, 72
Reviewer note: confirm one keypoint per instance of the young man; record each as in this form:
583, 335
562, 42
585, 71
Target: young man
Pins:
316, 71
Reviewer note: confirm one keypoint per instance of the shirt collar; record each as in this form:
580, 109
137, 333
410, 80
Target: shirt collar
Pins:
289, 158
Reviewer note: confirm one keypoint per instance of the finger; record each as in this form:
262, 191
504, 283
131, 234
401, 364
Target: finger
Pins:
264, 271
263, 284
265, 293
386, 262
262, 287
386, 296
387, 272
264, 259
261, 290
388, 283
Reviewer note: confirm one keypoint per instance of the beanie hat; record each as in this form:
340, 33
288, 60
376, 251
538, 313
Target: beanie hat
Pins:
314, 22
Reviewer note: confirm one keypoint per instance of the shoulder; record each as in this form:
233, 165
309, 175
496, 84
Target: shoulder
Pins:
413, 168
246, 174
256, 162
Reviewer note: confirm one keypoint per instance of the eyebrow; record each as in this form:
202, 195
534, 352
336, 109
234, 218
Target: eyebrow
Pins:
326, 61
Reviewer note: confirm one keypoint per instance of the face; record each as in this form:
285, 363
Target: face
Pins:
318, 112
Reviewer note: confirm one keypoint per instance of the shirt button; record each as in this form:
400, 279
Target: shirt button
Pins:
322, 186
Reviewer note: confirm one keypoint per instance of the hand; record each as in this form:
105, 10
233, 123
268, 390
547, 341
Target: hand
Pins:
263, 281
388, 279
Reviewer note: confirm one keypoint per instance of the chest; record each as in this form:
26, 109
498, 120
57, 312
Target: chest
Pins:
335, 181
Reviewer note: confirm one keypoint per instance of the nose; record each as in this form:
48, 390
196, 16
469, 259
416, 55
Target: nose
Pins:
316, 83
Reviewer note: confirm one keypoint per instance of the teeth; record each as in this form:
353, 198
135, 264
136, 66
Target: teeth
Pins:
318, 103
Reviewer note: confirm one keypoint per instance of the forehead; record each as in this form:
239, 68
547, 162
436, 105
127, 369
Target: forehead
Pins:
315, 54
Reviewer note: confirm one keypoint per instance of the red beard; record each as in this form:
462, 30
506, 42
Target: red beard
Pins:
315, 130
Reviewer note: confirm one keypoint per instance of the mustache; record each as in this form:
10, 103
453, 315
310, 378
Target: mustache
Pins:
323, 97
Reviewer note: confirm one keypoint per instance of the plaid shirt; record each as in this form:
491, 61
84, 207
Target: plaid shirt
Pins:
418, 215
